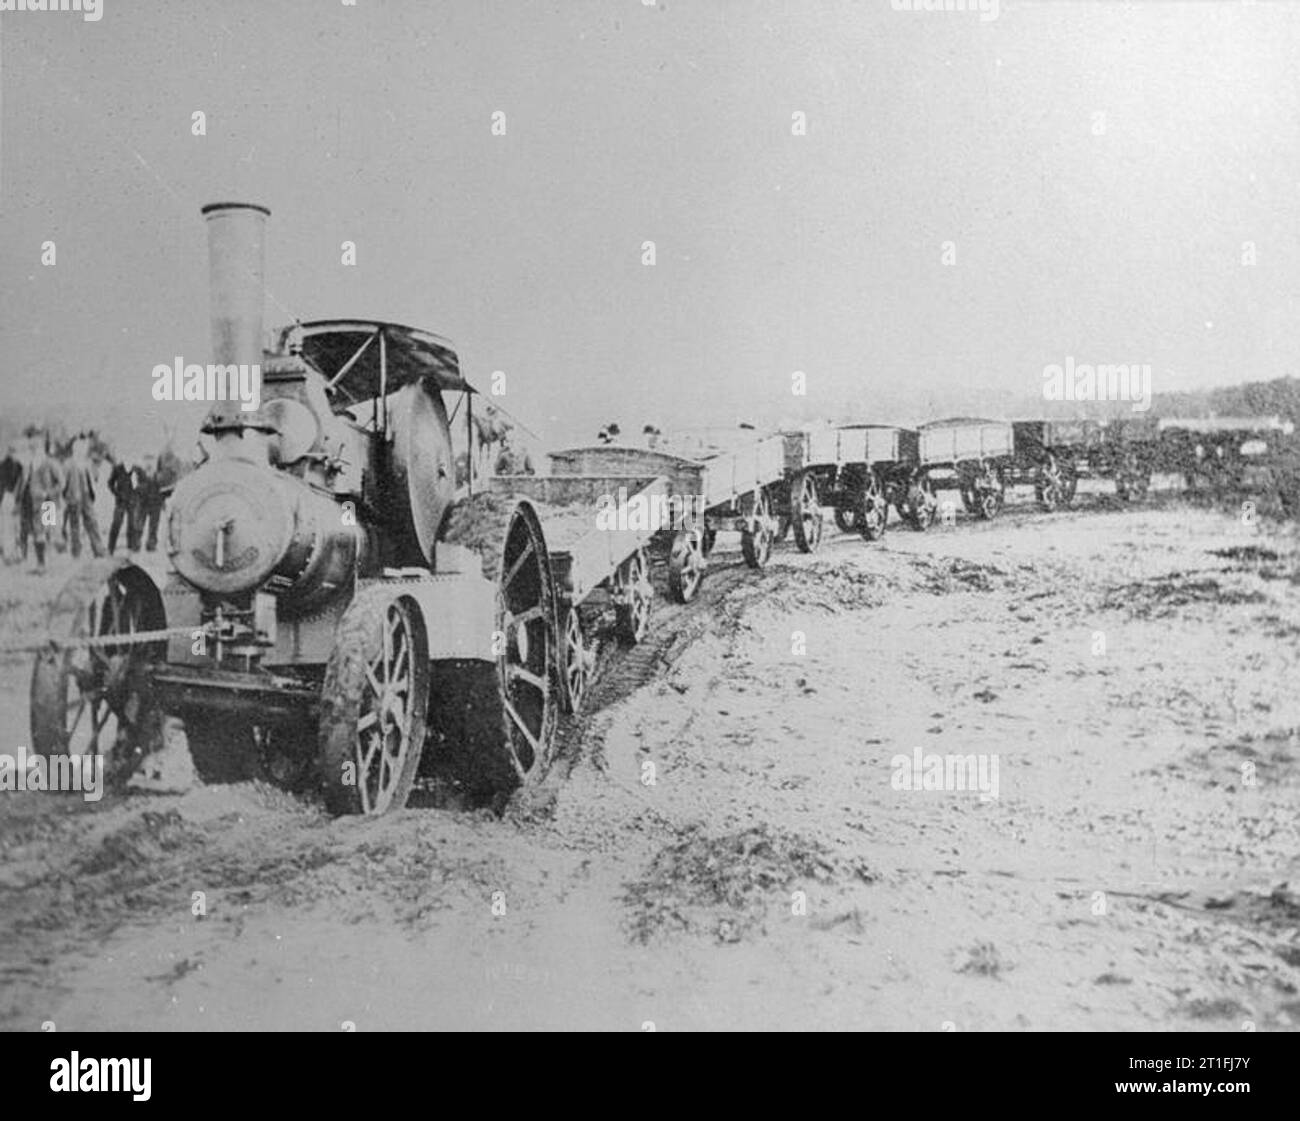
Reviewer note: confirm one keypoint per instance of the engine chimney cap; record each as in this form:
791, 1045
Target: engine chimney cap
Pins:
235, 206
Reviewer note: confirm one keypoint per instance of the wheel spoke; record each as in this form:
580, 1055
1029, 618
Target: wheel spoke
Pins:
527, 616
76, 720
386, 656
401, 662
524, 730
369, 745
98, 722
520, 561
518, 673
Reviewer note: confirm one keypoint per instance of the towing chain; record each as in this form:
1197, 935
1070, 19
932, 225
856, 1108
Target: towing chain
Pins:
136, 638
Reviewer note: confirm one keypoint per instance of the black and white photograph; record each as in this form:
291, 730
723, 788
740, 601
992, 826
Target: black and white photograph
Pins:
651, 515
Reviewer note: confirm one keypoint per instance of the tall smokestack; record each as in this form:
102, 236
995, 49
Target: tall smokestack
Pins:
236, 263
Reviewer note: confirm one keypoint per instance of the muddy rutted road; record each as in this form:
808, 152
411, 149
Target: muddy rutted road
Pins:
1134, 673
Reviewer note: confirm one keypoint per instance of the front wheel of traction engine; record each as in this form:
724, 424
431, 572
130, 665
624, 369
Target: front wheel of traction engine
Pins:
374, 704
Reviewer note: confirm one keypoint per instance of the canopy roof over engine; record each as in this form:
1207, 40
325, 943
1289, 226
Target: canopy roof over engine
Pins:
366, 358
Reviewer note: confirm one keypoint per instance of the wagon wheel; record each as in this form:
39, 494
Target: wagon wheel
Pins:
1069, 480
1049, 485
374, 704
871, 510
989, 495
896, 496
529, 659
635, 594
1132, 479
756, 541
98, 700
686, 564
921, 504
845, 519
806, 512
574, 664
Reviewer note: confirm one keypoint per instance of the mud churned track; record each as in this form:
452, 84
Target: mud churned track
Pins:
722, 842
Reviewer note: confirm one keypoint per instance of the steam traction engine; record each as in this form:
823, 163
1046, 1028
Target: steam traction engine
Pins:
317, 626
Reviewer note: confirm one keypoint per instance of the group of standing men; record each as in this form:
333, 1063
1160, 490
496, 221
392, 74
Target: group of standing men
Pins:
49, 500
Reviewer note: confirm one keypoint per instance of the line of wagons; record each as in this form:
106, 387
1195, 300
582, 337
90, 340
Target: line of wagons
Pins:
337, 613
673, 503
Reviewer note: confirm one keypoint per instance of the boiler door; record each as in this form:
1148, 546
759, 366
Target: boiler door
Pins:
230, 524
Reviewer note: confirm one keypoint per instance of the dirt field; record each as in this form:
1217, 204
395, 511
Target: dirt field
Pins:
1133, 873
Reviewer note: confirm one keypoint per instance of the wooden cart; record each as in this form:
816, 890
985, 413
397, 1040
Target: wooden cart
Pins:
1050, 454
970, 455
1129, 452
855, 470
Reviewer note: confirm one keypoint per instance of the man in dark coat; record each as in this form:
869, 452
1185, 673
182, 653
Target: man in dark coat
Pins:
11, 473
122, 486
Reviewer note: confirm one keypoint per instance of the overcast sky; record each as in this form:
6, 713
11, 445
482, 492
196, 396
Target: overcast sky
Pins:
1108, 239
